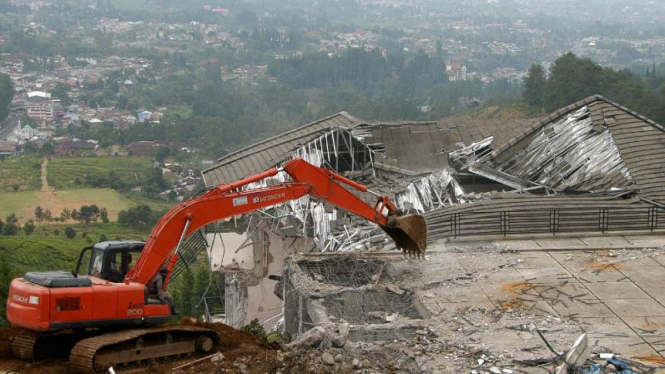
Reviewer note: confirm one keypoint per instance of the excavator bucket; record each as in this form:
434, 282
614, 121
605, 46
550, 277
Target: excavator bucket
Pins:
409, 233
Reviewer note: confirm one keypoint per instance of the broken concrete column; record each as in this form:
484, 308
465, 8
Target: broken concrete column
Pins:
311, 338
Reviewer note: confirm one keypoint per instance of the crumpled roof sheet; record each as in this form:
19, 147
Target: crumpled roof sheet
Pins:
270, 152
640, 142
571, 154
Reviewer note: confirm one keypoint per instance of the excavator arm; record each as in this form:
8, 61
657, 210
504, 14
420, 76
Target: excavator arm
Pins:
229, 200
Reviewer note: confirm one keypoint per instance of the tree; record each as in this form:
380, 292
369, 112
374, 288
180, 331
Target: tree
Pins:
140, 215
104, 215
65, 214
29, 227
6, 95
39, 213
5, 280
534, 86
201, 282
184, 297
11, 226
89, 213
572, 79
48, 148
103, 238
47, 215
70, 233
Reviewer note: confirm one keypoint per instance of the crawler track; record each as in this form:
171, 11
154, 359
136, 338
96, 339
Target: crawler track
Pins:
24, 343
98, 353
35, 346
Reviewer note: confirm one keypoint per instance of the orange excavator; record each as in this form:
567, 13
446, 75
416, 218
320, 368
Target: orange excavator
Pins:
108, 317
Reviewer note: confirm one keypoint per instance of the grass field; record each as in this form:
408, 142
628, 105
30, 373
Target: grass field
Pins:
24, 171
44, 250
24, 203
81, 172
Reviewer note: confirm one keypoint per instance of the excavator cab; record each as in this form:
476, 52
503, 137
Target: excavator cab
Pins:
110, 260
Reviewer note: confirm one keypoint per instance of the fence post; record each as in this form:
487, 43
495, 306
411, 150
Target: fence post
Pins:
502, 221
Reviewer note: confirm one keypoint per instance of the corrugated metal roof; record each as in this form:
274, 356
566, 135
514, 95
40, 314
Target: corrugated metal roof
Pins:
270, 152
640, 141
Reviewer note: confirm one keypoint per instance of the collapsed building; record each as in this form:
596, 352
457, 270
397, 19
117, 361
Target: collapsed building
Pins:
591, 167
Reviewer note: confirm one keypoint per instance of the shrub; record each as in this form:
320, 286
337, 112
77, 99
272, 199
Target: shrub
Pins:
255, 328
70, 233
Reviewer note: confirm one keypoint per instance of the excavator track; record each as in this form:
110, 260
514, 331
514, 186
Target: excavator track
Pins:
98, 353
24, 343
35, 346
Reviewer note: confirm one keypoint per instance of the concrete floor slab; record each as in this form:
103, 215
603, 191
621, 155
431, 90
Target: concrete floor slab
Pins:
606, 242
561, 243
471, 292
503, 276
520, 245
616, 290
637, 262
659, 258
593, 275
485, 262
546, 275
581, 308
656, 290
607, 327
577, 258
531, 260
635, 307
646, 241
644, 274
454, 308
634, 348
647, 326
566, 291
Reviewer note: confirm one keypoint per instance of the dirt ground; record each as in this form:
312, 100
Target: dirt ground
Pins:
242, 353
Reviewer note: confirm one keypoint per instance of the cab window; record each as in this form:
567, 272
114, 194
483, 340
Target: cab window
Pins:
96, 263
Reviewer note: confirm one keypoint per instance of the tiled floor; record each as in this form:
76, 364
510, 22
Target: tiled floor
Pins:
622, 301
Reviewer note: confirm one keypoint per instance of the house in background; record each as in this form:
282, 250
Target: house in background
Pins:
455, 71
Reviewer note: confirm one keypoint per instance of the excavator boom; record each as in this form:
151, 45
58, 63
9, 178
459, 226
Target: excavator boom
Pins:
229, 200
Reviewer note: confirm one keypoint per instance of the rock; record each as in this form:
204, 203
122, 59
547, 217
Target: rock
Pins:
217, 357
343, 328
338, 358
392, 317
377, 315
395, 289
339, 341
366, 363
421, 332
310, 338
495, 370
356, 364
327, 358
481, 362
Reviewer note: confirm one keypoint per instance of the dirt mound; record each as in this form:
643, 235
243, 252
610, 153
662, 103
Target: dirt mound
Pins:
243, 352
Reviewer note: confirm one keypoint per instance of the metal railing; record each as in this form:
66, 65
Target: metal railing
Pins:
552, 221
